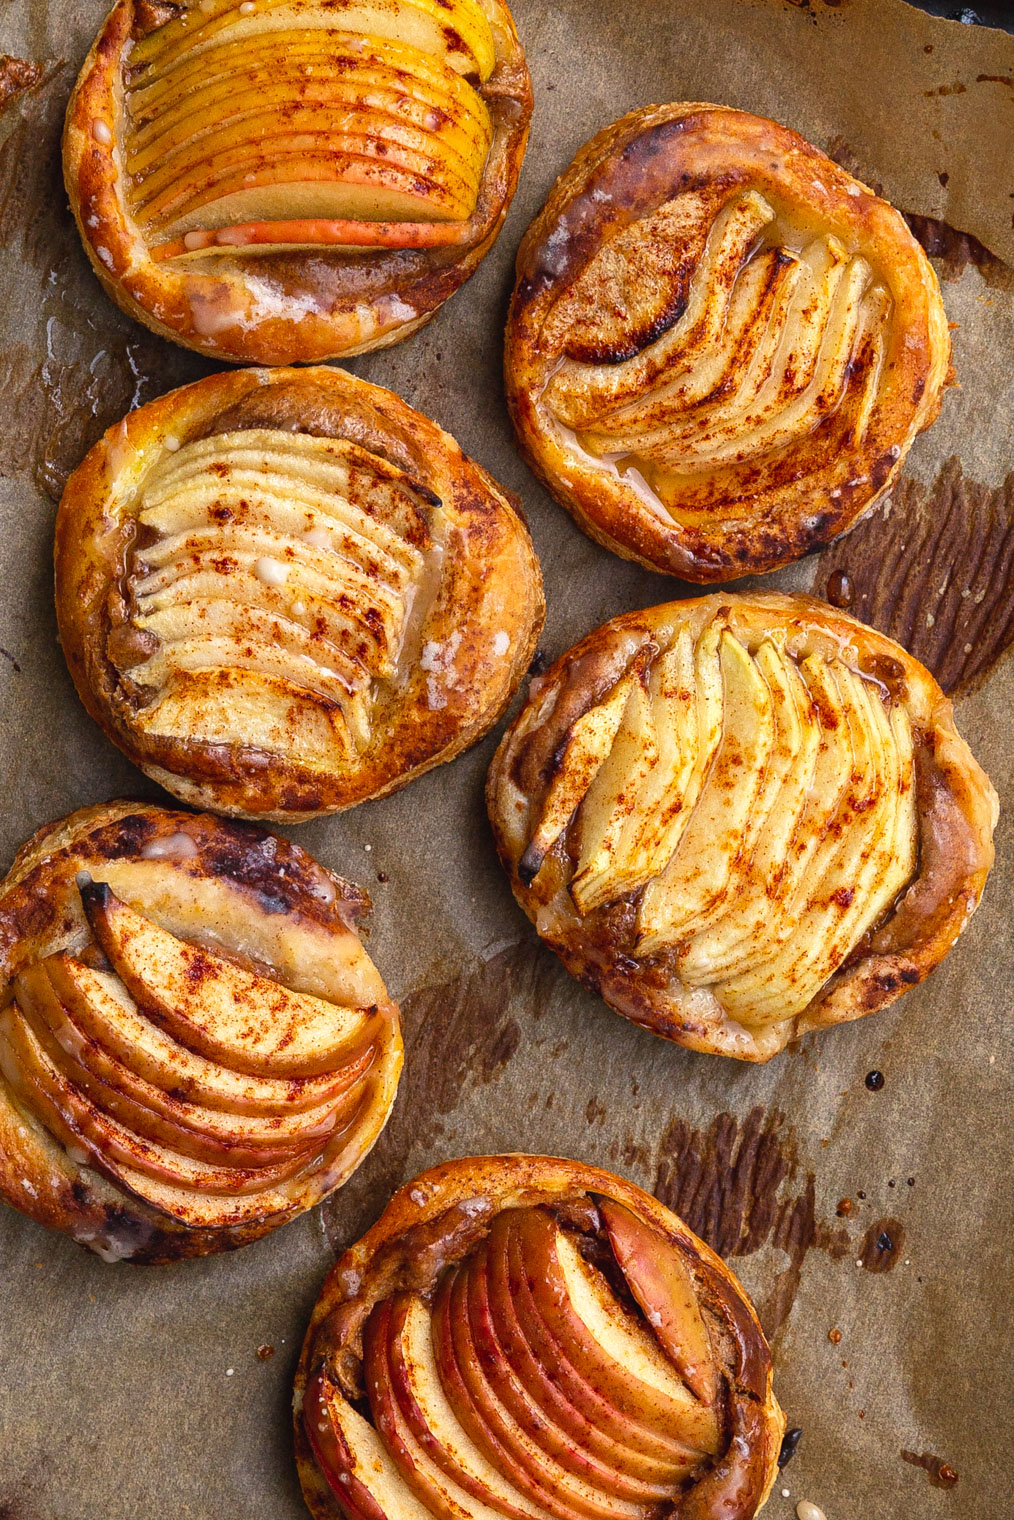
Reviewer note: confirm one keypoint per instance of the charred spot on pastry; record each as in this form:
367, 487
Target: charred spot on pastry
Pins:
283, 592
219, 1057
763, 823
295, 184
718, 360
524, 1334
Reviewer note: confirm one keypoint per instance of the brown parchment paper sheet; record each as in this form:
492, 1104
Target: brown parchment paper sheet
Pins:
130, 1392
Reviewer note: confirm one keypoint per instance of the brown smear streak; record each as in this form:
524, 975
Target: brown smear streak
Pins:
17, 75
738, 1186
940, 1473
459, 1033
933, 567
79, 363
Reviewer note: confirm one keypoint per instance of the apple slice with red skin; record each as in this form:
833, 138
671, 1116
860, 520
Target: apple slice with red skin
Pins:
661, 1283
124, 1033
511, 1286
72, 1117
312, 231
205, 1133
431, 1449
324, 1414
212, 1005
490, 1424
615, 1470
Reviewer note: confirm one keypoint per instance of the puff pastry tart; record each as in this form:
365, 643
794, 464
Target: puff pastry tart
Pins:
194, 1046
531, 1338
742, 818
281, 592
720, 345
282, 180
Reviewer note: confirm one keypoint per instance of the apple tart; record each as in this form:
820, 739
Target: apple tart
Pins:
194, 1045
274, 181
532, 1338
282, 592
720, 345
742, 818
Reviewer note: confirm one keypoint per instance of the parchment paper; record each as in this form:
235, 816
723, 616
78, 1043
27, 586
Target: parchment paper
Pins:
132, 1392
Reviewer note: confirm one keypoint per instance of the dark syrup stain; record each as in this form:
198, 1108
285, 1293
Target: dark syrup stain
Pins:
940, 1473
17, 77
739, 1186
933, 567
77, 364
790, 1441
459, 1034
882, 1246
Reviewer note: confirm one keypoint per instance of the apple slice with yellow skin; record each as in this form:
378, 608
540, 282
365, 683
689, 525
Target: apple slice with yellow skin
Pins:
518, 1424
70, 1115
697, 876
456, 31
588, 742
419, 1425
489, 1422
275, 237
206, 1134
564, 1422
621, 1420
603, 1340
661, 1283
353, 1459
216, 1008
107, 1020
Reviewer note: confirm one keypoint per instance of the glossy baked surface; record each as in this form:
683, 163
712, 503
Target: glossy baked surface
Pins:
533, 1338
281, 180
741, 818
720, 345
284, 592
194, 1045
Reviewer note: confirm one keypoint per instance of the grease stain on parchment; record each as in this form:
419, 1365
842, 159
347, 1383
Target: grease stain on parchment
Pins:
940, 1473
933, 567
79, 363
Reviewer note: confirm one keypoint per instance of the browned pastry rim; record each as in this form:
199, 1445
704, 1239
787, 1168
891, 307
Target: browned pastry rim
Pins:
483, 604
440, 1216
291, 306
956, 811
253, 877
756, 510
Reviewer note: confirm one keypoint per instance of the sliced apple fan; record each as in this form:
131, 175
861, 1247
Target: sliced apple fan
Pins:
764, 351
763, 807
195, 1083
526, 1388
276, 123
280, 572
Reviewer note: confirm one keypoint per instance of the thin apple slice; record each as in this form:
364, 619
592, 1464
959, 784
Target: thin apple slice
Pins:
588, 742
698, 875
68, 1112
661, 1282
213, 1006
555, 1390
353, 1459
456, 31
205, 1134
419, 1426
104, 1017
748, 904
821, 800
505, 1441
604, 1340
313, 232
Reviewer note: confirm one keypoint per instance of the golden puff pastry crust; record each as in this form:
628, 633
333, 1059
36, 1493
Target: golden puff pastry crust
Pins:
532, 1337
720, 345
280, 181
742, 818
282, 592
194, 1045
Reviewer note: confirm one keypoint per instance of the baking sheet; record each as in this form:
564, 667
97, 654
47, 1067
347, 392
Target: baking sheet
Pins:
135, 1392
